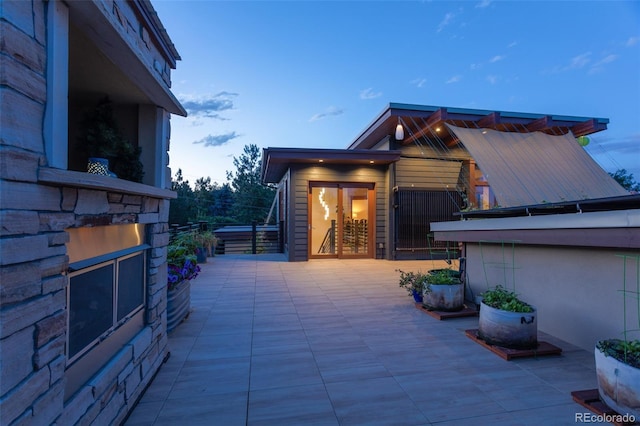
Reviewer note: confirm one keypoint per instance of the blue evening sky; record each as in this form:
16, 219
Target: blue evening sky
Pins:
316, 73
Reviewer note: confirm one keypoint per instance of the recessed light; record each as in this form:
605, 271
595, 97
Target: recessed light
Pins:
320, 161
370, 161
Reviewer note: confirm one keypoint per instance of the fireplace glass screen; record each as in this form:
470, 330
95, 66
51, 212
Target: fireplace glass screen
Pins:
101, 297
91, 306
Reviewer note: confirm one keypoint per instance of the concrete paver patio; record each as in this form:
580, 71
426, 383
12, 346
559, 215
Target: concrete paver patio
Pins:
337, 342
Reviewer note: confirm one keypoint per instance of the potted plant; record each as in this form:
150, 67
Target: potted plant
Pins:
443, 290
618, 374
618, 360
108, 151
182, 267
414, 283
206, 242
507, 321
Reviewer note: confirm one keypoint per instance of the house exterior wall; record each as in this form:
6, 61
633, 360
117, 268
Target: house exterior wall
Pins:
37, 205
567, 265
576, 290
298, 220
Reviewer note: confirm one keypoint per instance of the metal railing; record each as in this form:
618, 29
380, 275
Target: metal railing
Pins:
234, 238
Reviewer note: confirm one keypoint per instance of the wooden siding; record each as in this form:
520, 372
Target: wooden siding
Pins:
455, 152
302, 174
427, 174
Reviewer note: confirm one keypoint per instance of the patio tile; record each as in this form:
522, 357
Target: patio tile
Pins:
145, 414
225, 409
273, 342
210, 377
292, 405
372, 402
211, 346
337, 342
281, 370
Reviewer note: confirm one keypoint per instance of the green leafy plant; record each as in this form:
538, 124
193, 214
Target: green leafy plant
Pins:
626, 350
205, 239
103, 139
621, 350
501, 298
181, 265
413, 282
445, 276
182, 261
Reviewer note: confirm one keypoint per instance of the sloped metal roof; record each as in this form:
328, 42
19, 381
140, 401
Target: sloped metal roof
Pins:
419, 119
532, 168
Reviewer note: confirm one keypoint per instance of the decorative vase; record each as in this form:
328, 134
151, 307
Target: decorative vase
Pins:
178, 304
618, 384
514, 330
444, 297
99, 166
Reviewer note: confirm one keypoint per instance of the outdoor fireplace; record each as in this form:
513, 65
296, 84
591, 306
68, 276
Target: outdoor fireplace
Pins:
105, 295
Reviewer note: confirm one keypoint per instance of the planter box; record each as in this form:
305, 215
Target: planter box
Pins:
618, 385
514, 330
444, 297
178, 304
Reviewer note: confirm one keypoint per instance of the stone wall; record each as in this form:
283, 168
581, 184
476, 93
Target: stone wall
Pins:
34, 214
33, 307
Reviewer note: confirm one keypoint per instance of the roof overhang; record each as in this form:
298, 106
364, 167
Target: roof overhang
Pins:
108, 63
276, 161
423, 120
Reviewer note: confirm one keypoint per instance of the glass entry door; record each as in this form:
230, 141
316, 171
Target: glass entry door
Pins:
340, 220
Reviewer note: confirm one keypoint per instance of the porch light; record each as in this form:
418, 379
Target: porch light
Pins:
399, 131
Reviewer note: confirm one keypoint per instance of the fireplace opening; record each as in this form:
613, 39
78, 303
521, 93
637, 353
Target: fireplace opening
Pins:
105, 296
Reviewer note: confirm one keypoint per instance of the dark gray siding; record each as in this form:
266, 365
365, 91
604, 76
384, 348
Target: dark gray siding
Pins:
301, 175
427, 174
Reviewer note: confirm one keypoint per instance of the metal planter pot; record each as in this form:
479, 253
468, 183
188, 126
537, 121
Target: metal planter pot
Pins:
178, 304
444, 297
514, 330
618, 385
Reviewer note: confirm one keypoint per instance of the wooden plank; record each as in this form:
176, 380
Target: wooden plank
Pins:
443, 315
543, 349
590, 399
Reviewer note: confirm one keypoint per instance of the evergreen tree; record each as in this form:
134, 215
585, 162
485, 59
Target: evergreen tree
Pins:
183, 209
251, 199
626, 180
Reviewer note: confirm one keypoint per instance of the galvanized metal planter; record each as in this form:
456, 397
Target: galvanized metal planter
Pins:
178, 304
514, 330
444, 297
618, 385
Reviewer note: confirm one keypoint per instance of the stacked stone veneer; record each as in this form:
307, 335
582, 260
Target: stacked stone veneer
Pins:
34, 316
34, 214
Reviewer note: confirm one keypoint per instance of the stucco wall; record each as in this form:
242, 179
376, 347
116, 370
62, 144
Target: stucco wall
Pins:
575, 289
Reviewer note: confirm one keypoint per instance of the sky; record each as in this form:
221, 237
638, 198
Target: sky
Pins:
317, 73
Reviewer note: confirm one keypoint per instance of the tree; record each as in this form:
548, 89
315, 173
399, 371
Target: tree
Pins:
626, 180
183, 209
251, 199
204, 195
222, 201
